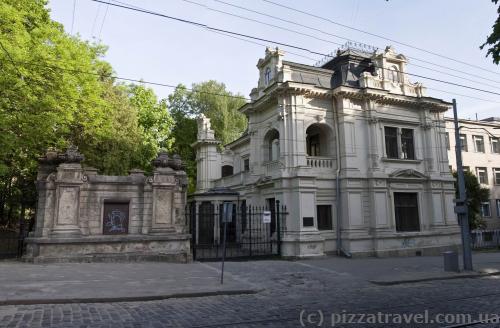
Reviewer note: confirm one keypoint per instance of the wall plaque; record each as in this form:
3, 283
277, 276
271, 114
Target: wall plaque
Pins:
308, 221
115, 220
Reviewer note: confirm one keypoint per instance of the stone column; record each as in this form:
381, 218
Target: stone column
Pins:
165, 186
69, 179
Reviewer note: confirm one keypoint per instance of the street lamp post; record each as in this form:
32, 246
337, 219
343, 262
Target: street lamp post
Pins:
461, 204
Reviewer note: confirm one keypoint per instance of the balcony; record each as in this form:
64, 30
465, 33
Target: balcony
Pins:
319, 162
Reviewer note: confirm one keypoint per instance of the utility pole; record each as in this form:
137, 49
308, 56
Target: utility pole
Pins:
461, 202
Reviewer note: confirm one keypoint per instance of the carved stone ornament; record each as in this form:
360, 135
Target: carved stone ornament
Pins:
163, 160
53, 157
72, 155
50, 157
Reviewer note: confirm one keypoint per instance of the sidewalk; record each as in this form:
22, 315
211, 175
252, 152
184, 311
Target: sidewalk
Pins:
26, 283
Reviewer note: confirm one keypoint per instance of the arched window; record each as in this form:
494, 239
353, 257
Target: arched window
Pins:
226, 170
272, 146
319, 140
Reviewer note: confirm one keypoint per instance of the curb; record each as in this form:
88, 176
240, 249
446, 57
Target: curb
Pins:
127, 299
409, 281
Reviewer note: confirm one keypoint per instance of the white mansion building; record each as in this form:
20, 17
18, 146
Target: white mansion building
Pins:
354, 149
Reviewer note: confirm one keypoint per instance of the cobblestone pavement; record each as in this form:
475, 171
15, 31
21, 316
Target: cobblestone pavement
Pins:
294, 295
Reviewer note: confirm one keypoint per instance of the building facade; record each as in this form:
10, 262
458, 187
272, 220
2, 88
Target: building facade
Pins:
480, 155
354, 149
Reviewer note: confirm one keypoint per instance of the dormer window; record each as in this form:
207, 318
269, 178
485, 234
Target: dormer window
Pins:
393, 74
267, 76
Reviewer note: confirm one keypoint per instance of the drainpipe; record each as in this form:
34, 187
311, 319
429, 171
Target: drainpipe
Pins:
338, 205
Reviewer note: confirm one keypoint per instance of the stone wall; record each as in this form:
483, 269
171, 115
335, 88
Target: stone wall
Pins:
84, 216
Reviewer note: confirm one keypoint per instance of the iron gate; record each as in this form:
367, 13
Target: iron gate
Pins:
11, 243
247, 236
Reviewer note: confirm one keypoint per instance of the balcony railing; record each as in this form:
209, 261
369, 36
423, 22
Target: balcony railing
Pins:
318, 162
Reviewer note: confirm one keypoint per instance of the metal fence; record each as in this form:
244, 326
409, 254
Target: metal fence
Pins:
485, 239
248, 235
11, 243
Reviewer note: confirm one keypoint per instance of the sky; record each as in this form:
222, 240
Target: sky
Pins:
156, 49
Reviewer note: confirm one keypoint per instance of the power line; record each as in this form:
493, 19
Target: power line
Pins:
261, 22
462, 95
192, 90
72, 70
73, 19
103, 19
263, 45
95, 19
334, 35
275, 42
378, 36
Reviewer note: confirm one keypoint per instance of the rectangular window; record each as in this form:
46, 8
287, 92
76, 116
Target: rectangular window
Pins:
406, 211
399, 143
407, 150
497, 202
478, 144
463, 142
451, 168
495, 145
496, 176
324, 215
246, 165
485, 210
447, 138
391, 142
482, 175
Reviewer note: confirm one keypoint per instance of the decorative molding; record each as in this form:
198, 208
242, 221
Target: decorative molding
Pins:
408, 173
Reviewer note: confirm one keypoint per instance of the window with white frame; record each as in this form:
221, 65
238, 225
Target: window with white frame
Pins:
478, 144
485, 210
399, 143
496, 175
463, 142
497, 202
495, 145
482, 175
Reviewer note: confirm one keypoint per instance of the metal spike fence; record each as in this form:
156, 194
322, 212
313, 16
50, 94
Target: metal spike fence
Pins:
247, 236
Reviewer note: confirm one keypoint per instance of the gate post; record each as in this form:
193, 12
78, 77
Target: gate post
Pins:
250, 227
194, 227
278, 227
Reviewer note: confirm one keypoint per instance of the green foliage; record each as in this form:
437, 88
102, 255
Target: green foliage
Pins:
47, 101
493, 40
475, 196
215, 102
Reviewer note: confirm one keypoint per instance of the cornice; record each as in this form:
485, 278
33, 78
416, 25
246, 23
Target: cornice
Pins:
385, 97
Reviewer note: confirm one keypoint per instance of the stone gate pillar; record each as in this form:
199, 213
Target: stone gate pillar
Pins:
168, 188
69, 178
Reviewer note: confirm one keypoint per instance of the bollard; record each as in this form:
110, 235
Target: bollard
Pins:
451, 261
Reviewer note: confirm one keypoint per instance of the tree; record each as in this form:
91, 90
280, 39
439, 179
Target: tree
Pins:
213, 100
493, 40
55, 90
475, 196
